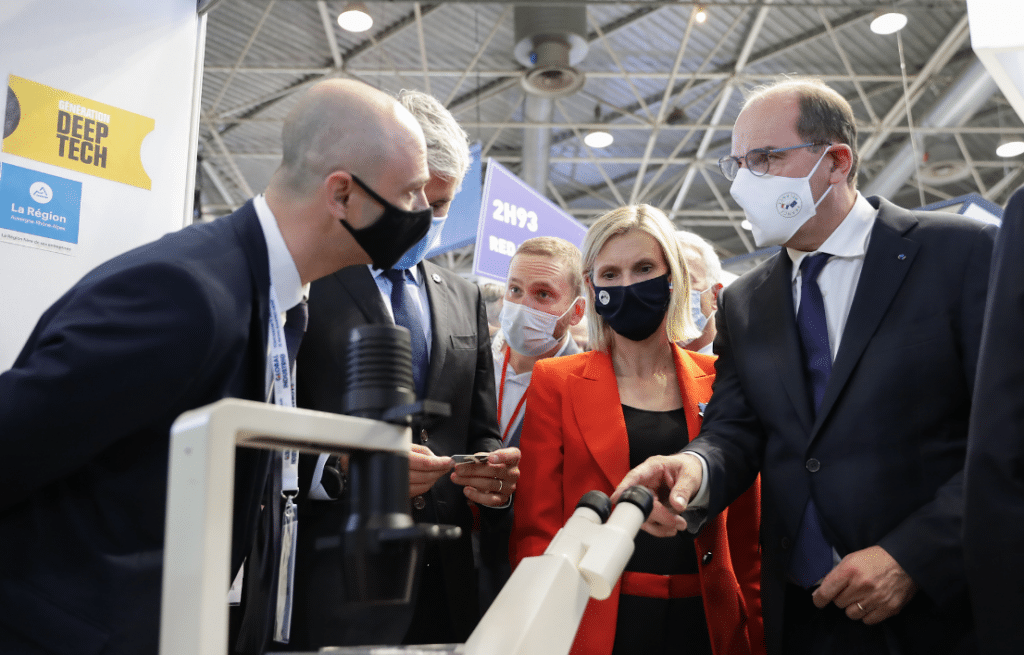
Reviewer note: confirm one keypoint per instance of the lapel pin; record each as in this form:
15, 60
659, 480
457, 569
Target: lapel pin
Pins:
435, 277
901, 256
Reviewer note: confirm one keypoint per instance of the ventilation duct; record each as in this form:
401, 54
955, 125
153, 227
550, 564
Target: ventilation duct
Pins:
943, 163
959, 103
550, 41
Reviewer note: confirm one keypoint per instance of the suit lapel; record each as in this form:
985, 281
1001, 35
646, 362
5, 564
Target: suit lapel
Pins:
437, 296
694, 387
886, 264
774, 301
357, 282
598, 411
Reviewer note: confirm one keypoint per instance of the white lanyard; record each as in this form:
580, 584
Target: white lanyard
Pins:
284, 392
284, 395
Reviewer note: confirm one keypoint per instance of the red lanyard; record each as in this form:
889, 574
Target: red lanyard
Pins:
501, 397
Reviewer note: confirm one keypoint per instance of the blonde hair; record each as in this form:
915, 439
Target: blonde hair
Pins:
560, 250
650, 221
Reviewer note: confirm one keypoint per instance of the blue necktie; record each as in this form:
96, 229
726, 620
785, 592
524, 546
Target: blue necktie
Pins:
812, 553
407, 314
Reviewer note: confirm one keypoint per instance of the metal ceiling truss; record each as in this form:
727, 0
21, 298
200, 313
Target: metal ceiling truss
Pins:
682, 178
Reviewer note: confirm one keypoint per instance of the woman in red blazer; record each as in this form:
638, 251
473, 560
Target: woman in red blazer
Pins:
593, 416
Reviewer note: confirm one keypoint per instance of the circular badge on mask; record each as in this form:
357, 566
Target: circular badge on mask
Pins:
788, 205
603, 297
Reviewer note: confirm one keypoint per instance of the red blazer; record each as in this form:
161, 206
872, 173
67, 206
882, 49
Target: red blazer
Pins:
574, 440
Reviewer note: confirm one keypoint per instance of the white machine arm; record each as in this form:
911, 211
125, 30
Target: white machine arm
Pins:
194, 609
539, 609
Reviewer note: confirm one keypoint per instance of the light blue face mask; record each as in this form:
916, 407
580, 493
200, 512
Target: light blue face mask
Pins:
699, 319
416, 254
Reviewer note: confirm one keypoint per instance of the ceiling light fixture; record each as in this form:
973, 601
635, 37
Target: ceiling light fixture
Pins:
1008, 148
598, 138
701, 14
745, 224
888, 21
355, 18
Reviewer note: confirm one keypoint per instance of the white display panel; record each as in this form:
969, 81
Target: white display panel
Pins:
144, 58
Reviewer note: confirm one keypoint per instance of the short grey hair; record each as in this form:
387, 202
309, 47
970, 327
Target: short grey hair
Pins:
448, 153
825, 115
692, 244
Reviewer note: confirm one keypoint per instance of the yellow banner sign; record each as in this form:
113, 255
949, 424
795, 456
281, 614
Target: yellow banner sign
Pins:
67, 130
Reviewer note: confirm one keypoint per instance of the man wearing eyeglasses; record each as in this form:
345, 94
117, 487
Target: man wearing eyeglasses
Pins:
846, 365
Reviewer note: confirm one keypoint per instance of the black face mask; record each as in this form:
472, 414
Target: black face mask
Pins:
391, 235
634, 311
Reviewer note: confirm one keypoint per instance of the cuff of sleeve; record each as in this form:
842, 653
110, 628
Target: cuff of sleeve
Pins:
696, 512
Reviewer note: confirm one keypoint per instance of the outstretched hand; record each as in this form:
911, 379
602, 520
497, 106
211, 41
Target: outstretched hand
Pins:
674, 479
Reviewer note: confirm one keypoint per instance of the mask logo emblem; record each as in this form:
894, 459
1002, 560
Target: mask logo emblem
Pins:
603, 297
788, 205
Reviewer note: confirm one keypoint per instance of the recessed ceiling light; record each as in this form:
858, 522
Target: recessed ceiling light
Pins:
355, 18
1010, 148
701, 15
598, 139
888, 22
746, 225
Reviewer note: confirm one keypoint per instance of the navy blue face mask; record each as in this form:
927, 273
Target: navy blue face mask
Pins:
635, 311
395, 232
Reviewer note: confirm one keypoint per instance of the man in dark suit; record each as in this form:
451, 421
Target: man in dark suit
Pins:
847, 388
993, 477
457, 370
168, 327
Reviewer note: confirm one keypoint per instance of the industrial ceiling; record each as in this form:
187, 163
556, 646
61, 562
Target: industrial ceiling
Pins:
667, 87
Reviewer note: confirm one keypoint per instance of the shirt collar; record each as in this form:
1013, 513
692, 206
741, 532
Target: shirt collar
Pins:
284, 276
849, 239
415, 271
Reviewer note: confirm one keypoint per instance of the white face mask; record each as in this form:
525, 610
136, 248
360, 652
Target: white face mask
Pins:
528, 331
776, 206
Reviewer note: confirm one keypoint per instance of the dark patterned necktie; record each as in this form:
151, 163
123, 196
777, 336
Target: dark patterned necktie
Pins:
295, 321
407, 314
812, 553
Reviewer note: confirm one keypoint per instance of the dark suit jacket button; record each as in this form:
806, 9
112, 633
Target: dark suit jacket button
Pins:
785, 543
813, 465
707, 558
424, 437
419, 502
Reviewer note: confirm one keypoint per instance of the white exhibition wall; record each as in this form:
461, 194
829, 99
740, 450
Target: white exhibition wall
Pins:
135, 65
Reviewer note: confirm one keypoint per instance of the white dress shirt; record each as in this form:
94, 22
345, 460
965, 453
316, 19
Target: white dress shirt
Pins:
284, 276
841, 273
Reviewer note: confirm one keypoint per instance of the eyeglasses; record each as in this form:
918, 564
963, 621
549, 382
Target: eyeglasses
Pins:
757, 160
